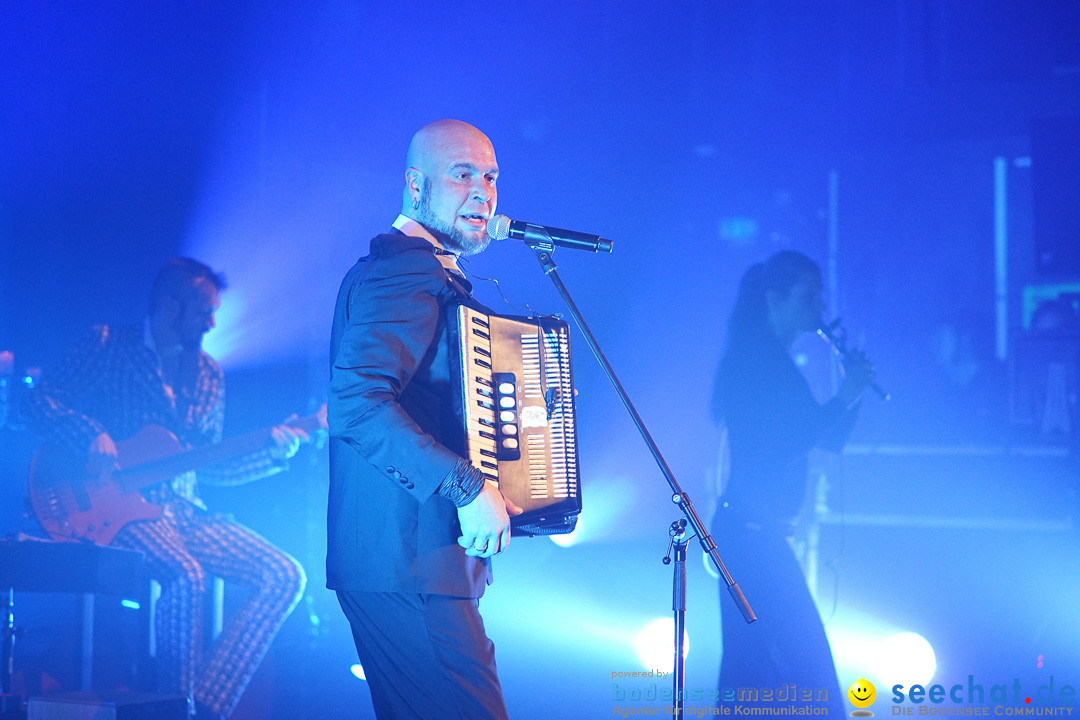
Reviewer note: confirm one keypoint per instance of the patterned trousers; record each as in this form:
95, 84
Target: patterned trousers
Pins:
182, 547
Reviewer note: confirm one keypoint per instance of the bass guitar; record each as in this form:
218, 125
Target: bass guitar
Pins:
72, 504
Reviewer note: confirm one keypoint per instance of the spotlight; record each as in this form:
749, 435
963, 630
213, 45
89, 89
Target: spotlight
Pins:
567, 539
358, 670
610, 499
908, 657
656, 645
867, 646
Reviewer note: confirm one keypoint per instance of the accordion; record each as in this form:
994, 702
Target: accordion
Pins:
516, 403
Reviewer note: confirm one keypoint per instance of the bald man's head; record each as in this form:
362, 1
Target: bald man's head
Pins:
437, 137
450, 184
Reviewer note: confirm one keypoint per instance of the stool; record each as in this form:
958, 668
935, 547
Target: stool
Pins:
83, 569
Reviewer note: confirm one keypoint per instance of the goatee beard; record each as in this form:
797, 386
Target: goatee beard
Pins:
451, 237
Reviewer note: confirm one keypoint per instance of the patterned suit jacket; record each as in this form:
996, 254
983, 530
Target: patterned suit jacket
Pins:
111, 382
394, 435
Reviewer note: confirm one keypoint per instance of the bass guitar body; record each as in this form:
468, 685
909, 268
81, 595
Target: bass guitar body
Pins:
74, 505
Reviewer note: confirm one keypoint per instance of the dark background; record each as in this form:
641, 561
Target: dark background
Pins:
268, 139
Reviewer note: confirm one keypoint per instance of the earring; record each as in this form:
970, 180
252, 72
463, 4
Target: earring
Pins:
415, 203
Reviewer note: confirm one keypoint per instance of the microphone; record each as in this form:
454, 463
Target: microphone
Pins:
501, 227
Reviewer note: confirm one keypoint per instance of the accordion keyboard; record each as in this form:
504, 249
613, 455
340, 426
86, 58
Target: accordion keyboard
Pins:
517, 401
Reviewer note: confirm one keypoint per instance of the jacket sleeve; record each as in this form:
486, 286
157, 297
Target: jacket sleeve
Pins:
207, 429
771, 402
389, 317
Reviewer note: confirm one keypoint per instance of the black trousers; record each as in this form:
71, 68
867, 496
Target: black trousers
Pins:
787, 645
426, 657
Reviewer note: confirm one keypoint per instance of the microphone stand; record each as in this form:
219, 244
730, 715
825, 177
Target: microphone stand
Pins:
678, 543
543, 249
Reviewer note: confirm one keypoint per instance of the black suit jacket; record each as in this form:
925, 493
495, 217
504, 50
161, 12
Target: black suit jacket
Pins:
394, 435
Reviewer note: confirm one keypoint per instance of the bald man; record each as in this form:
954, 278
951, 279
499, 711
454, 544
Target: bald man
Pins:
411, 524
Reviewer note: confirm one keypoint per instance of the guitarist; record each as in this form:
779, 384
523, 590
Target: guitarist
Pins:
121, 379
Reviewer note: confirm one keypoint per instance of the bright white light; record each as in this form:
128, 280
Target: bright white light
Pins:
709, 566
610, 498
567, 539
358, 671
656, 645
867, 646
228, 334
907, 658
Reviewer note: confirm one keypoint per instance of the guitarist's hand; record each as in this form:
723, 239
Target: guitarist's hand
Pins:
285, 441
101, 457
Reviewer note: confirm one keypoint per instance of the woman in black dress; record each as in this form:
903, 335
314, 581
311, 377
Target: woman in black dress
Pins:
773, 421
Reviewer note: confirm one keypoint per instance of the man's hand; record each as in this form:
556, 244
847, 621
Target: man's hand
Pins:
285, 441
101, 456
485, 522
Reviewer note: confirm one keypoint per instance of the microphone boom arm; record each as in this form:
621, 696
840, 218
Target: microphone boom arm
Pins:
678, 497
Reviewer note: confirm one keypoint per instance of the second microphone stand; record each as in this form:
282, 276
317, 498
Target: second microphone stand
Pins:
543, 250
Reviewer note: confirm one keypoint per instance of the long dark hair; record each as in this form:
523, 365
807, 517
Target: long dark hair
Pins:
748, 325
749, 320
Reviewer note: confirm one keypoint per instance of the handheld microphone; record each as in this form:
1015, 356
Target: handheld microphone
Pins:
501, 227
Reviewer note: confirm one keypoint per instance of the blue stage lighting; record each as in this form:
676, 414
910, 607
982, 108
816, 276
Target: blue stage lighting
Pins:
656, 645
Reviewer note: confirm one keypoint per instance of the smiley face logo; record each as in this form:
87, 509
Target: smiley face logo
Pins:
862, 694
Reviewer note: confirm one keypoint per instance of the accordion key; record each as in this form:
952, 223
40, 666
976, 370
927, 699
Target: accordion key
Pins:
517, 405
